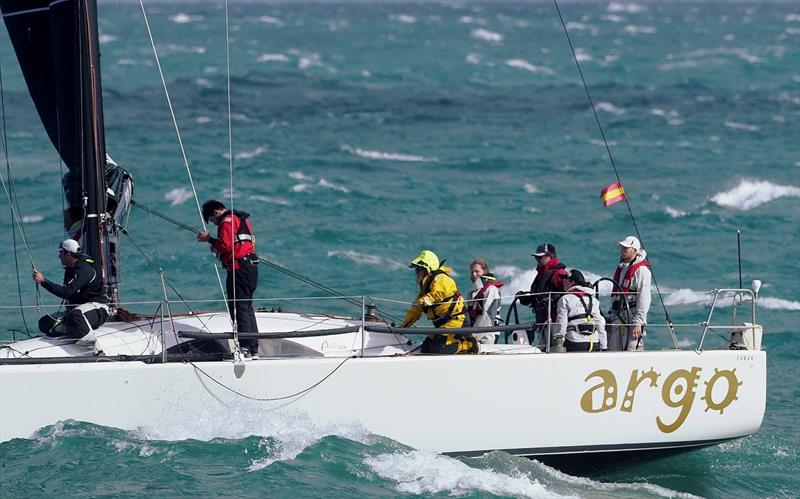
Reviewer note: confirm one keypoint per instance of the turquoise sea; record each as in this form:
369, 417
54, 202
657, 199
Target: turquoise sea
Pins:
365, 132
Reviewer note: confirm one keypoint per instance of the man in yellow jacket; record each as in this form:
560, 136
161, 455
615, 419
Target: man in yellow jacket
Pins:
441, 301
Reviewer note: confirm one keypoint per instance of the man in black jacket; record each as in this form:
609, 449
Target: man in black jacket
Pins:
82, 293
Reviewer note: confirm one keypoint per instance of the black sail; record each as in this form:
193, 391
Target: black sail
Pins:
58, 51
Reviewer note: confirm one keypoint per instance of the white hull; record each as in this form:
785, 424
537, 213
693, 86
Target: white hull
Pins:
527, 404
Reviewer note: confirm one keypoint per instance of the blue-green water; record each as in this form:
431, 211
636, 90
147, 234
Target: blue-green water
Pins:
364, 133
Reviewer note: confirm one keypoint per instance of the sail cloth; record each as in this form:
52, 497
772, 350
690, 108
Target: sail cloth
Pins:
613, 194
56, 46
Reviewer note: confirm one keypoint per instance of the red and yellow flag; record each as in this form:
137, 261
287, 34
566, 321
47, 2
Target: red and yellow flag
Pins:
612, 194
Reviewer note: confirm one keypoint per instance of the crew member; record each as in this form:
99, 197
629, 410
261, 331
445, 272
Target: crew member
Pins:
546, 289
235, 247
440, 299
82, 293
483, 302
578, 318
631, 297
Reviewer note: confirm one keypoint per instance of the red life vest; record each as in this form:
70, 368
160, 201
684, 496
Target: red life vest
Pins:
476, 305
625, 285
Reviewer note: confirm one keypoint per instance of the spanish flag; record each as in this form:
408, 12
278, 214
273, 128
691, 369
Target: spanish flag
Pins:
613, 194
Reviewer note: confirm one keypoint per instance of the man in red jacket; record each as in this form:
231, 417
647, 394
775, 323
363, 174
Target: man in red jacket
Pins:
235, 247
547, 287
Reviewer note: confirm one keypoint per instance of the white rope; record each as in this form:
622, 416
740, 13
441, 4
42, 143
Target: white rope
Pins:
178, 133
230, 168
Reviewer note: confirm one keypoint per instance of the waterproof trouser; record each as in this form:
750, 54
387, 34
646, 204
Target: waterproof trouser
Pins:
242, 288
75, 322
580, 346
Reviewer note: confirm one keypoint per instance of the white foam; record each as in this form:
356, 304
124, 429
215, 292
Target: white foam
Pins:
104, 38
366, 259
582, 55
627, 8
202, 82
302, 187
741, 126
778, 304
671, 116
749, 194
610, 108
486, 35
181, 18
686, 296
272, 58
178, 196
258, 151
271, 200
386, 156
424, 473
674, 212
473, 58
792, 18
515, 280
527, 66
299, 176
639, 30
471, 20
32, 219
403, 18
202, 120
530, 188
613, 18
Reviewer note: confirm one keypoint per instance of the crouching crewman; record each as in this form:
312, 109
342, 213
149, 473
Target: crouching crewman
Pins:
82, 293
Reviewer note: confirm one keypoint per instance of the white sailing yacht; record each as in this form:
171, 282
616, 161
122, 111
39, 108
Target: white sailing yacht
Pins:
135, 372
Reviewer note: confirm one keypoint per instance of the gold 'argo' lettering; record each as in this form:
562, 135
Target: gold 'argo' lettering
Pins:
672, 385
608, 384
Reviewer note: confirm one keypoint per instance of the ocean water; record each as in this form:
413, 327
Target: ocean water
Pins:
365, 132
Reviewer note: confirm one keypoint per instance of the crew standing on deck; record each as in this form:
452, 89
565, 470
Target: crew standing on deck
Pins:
578, 318
483, 302
546, 289
631, 297
441, 301
235, 247
82, 293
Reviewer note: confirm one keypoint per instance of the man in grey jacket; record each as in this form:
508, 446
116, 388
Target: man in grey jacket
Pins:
631, 297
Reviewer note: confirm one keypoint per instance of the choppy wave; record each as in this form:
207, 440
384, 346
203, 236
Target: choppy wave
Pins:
365, 259
182, 18
627, 8
486, 35
272, 58
741, 126
639, 30
674, 212
271, 200
530, 188
686, 296
31, 219
403, 18
258, 151
178, 196
425, 472
386, 156
610, 108
749, 194
271, 20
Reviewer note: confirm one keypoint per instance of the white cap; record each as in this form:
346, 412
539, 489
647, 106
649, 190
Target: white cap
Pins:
70, 246
631, 242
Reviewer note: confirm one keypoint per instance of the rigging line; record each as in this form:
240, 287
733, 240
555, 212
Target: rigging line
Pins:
178, 133
614, 166
273, 399
13, 228
232, 271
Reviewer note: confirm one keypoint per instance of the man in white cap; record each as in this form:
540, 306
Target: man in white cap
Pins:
82, 293
631, 298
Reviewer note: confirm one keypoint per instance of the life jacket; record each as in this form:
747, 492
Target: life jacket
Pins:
625, 286
245, 231
440, 319
587, 327
540, 287
476, 306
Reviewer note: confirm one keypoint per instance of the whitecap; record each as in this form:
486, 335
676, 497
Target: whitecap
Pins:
582, 56
471, 20
639, 30
778, 304
530, 188
671, 116
674, 213
202, 120
302, 187
749, 194
178, 196
258, 151
297, 175
366, 259
181, 18
272, 58
271, 200
31, 219
742, 126
271, 20
324, 183
610, 108
598, 142
104, 38
426, 473
403, 18
126, 62
627, 8
386, 156
473, 58
531, 209
527, 66
486, 35
202, 82
792, 17
515, 279
613, 18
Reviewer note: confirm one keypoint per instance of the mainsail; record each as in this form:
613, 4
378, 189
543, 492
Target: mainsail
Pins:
58, 51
